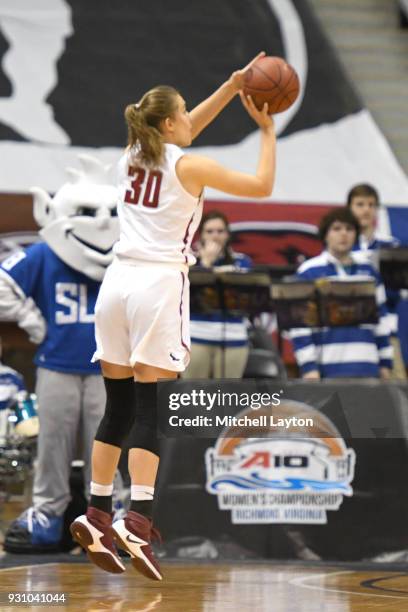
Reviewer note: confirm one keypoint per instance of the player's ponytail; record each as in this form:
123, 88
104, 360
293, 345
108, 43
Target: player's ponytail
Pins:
143, 120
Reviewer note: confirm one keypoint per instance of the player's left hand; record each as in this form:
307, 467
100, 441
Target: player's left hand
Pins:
237, 78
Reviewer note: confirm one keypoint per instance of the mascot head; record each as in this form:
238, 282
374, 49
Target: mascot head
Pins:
80, 222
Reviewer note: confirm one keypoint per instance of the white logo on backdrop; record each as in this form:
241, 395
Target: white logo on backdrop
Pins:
36, 34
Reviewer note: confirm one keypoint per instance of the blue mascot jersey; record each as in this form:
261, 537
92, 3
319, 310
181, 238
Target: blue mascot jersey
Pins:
66, 299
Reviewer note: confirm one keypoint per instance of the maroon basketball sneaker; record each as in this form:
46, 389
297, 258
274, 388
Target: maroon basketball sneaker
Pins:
93, 531
134, 534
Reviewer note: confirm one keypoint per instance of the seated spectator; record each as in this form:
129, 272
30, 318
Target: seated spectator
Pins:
11, 382
354, 351
364, 202
219, 346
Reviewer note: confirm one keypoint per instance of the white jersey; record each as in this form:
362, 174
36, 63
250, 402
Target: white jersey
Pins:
158, 217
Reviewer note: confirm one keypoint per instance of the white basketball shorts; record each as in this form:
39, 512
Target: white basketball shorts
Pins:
142, 315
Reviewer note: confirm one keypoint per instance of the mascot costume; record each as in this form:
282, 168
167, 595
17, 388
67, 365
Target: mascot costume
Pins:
50, 289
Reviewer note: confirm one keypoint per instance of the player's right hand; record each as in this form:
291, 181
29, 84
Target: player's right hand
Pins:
237, 78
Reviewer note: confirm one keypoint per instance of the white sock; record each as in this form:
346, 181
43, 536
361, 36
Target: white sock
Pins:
141, 492
102, 490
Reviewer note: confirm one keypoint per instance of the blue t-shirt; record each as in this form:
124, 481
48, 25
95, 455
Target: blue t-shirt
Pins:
66, 299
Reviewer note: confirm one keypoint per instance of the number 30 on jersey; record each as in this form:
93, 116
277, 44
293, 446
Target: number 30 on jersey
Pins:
145, 187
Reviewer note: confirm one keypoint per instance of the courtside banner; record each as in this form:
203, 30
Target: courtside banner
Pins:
351, 464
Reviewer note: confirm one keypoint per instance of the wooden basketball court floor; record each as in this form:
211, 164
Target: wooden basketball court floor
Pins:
206, 587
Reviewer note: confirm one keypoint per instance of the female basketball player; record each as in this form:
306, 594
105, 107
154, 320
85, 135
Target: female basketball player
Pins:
142, 312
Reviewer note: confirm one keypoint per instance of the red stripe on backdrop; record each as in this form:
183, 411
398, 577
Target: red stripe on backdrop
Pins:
280, 244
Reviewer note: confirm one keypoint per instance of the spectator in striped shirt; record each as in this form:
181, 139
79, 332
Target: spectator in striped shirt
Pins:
364, 202
219, 344
355, 351
11, 382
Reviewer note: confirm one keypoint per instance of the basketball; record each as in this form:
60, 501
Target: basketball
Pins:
274, 81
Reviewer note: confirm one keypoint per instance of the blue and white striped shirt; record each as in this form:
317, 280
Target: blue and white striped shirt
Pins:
355, 351
369, 250
215, 329
11, 382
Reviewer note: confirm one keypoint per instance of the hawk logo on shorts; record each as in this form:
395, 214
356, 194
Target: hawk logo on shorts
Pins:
174, 358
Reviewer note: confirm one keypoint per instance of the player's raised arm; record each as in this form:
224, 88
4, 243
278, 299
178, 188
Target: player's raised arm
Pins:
196, 172
208, 109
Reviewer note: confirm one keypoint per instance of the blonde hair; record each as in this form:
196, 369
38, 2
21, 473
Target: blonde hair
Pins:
143, 121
